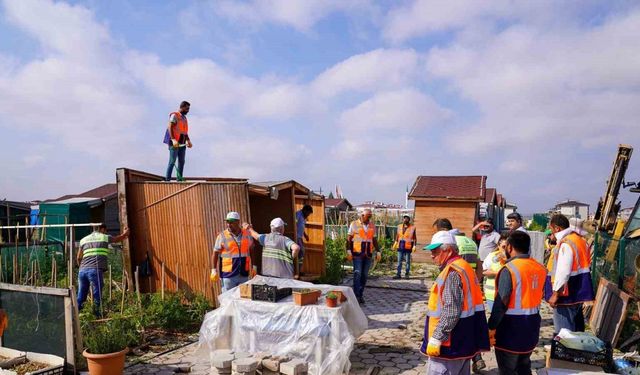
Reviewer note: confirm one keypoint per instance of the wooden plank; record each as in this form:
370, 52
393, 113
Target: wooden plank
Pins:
121, 180
35, 289
609, 311
68, 328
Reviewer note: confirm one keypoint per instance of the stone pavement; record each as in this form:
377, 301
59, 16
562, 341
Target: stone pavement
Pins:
396, 313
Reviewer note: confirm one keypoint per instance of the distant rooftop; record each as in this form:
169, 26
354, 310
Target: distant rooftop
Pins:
449, 187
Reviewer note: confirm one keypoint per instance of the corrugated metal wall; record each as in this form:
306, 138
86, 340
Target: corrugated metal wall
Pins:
177, 223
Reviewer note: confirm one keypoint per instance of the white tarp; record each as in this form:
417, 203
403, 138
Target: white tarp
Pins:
317, 334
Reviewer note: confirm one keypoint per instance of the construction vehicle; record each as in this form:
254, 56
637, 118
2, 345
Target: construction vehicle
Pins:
608, 207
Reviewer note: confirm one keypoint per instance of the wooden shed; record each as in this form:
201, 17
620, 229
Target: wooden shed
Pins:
456, 198
268, 200
175, 224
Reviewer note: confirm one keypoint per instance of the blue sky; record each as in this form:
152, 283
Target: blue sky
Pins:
367, 95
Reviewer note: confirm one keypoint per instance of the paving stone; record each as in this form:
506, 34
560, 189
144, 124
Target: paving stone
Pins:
294, 367
244, 365
222, 361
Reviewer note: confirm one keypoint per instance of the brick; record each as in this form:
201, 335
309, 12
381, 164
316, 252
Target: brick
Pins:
244, 365
294, 367
222, 361
271, 364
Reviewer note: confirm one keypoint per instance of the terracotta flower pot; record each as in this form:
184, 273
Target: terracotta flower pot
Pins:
106, 364
332, 302
309, 297
341, 296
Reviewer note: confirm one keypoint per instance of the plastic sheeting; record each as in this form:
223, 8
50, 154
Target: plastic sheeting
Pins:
317, 334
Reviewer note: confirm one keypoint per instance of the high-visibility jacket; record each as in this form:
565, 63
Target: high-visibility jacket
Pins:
471, 334
236, 258
466, 246
95, 244
579, 284
519, 329
405, 239
490, 282
363, 240
180, 128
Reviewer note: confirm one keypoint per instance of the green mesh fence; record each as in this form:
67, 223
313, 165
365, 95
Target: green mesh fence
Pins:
615, 260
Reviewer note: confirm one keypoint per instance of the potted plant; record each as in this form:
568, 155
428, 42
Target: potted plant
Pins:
106, 344
303, 297
341, 296
332, 299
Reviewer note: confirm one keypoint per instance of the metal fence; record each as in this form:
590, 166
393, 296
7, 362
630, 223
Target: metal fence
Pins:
617, 261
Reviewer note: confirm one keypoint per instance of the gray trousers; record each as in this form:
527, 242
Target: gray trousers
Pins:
437, 366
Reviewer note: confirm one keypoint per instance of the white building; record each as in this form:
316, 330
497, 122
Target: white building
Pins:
572, 208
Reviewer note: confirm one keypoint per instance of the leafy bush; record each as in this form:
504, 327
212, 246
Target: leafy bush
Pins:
176, 312
334, 260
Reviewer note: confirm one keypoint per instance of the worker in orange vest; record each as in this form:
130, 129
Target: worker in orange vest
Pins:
177, 138
514, 325
456, 326
405, 244
361, 243
232, 254
569, 282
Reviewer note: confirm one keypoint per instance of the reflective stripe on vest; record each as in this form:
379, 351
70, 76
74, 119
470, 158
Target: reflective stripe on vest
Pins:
470, 335
466, 246
405, 240
523, 309
232, 255
490, 282
580, 285
95, 244
181, 126
363, 241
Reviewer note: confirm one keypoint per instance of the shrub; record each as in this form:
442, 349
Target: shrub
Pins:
110, 335
334, 260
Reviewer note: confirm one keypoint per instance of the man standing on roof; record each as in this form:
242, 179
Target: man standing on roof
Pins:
177, 138
405, 245
93, 259
279, 253
233, 247
568, 283
514, 325
456, 326
301, 235
514, 222
361, 242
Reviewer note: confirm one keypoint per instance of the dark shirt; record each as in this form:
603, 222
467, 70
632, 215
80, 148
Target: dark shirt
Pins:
503, 294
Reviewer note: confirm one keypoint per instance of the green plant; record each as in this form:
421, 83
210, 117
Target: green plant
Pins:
335, 254
108, 336
332, 295
176, 312
536, 227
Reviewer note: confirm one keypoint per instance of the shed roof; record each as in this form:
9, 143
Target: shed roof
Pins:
25, 206
333, 202
490, 196
449, 188
265, 187
573, 203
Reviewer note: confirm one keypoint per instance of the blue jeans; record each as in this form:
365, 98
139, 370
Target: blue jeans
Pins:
360, 273
404, 256
86, 277
176, 153
569, 317
229, 283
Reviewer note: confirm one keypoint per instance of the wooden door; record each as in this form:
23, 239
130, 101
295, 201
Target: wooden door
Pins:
314, 261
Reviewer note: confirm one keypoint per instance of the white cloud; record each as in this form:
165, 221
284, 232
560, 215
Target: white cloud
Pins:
513, 166
402, 111
371, 71
301, 15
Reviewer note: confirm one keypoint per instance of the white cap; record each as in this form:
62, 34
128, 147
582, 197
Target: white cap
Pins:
277, 223
233, 216
440, 238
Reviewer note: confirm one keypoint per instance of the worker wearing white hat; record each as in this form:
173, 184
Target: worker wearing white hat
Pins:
233, 249
279, 253
456, 326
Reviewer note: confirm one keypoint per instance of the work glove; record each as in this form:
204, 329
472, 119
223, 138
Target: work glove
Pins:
214, 276
175, 143
492, 337
253, 272
433, 347
395, 245
413, 249
349, 256
189, 144
378, 256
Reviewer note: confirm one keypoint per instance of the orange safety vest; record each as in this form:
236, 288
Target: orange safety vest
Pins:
471, 334
523, 311
363, 241
405, 239
180, 128
235, 259
580, 285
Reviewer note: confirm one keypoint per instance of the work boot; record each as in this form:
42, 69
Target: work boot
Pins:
361, 300
396, 277
406, 276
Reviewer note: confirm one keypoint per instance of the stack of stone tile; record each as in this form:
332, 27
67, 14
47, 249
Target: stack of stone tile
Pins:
226, 362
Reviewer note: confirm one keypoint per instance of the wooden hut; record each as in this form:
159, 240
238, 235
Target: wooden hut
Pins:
268, 200
174, 224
